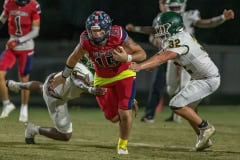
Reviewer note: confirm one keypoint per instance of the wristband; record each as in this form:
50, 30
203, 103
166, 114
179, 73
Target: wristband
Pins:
223, 17
67, 71
137, 29
129, 58
90, 89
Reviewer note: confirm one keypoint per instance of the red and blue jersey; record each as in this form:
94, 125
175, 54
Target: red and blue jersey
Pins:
105, 65
20, 18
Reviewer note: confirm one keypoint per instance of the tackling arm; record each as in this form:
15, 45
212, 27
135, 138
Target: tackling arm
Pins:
140, 29
97, 91
158, 59
215, 21
154, 61
72, 60
70, 63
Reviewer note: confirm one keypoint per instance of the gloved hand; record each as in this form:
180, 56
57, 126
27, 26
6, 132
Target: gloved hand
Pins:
12, 43
97, 91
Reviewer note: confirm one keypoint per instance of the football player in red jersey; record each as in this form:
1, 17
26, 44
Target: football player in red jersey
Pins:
23, 18
111, 50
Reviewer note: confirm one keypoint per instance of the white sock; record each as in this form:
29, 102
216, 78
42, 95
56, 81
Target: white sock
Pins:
36, 128
24, 105
5, 102
24, 109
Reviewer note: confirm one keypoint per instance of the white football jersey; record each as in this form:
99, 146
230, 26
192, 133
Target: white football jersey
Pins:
69, 90
192, 57
189, 18
74, 85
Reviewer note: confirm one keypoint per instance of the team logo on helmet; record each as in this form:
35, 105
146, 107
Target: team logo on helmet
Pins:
162, 31
169, 24
98, 20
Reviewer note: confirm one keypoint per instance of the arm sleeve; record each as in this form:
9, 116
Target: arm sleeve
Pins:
34, 33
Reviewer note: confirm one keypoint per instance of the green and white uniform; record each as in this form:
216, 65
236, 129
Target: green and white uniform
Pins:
194, 59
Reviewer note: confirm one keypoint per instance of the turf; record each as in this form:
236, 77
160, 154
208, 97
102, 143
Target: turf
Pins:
94, 138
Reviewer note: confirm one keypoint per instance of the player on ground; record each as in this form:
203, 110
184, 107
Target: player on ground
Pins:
23, 18
111, 50
56, 99
179, 46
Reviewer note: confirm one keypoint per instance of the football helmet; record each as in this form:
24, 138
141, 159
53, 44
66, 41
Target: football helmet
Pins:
22, 2
156, 19
169, 24
176, 5
98, 20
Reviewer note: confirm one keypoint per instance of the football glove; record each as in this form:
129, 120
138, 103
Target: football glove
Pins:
12, 43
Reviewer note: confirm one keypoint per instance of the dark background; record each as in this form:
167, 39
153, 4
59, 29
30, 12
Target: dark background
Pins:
63, 20
66, 18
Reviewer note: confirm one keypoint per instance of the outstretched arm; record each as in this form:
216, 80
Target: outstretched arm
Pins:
154, 61
84, 85
140, 29
74, 57
215, 21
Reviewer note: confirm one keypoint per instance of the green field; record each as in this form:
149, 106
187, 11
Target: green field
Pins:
94, 138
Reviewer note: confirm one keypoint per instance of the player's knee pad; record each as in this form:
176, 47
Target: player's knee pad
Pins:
64, 126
